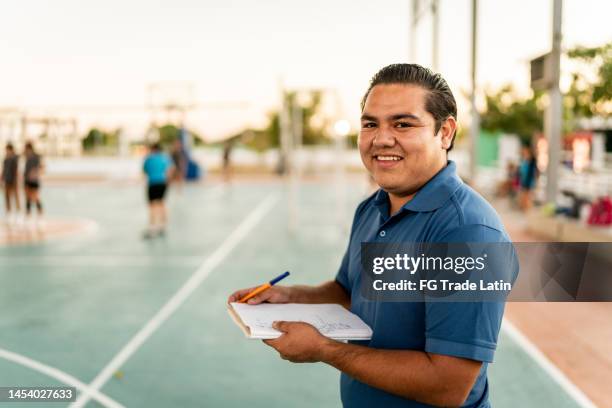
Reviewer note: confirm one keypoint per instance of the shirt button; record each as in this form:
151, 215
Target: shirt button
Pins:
382, 233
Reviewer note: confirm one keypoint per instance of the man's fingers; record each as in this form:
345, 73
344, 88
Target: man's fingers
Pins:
262, 297
239, 294
274, 342
281, 326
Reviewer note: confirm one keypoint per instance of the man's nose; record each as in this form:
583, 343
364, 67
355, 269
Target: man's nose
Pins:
384, 138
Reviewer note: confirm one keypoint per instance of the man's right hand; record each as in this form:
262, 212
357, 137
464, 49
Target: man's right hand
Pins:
275, 294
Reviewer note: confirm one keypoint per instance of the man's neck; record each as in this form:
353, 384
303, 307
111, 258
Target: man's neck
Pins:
396, 202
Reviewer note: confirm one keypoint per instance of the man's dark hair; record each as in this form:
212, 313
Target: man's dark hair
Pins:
440, 102
9, 147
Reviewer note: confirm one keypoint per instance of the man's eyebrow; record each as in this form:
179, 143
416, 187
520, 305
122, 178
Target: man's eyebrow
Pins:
397, 116
404, 116
365, 116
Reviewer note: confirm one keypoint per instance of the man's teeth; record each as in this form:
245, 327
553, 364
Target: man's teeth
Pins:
387, 158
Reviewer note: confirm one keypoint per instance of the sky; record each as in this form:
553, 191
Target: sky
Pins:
95, 60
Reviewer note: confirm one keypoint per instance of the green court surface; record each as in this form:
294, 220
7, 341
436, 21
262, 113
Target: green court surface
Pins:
75, 303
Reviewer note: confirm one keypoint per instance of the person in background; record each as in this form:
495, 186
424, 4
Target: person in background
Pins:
158, 168
9, 179
179, 159
31, 178
510, 185
228, 146
528, 173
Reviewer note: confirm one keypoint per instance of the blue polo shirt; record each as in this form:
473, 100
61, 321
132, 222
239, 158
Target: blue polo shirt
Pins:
443, 210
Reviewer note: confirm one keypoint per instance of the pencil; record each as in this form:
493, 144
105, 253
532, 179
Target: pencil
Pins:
263, 287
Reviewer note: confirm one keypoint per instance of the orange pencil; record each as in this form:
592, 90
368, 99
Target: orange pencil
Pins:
263, 287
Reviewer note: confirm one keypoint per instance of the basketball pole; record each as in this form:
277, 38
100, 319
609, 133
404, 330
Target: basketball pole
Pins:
553, 114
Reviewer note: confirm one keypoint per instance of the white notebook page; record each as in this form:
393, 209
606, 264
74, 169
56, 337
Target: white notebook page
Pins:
332, 320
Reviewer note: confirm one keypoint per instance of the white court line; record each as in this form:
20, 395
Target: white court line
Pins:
59, 376
552, 370
179, 297
102, 260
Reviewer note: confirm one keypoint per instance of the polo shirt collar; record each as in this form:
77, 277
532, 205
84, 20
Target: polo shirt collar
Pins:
431, 196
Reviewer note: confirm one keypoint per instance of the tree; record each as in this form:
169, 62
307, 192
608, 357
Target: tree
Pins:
590, 93
314, 124
97, 138
506, 112
169, 133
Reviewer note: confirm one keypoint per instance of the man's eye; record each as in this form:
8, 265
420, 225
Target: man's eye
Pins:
402, 125
368, 125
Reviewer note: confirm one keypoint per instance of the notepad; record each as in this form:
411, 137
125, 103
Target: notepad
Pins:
332, 320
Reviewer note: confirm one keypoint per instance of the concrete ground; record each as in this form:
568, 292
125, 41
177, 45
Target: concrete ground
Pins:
142, 323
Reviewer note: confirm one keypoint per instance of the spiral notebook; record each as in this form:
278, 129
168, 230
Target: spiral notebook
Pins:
332, 320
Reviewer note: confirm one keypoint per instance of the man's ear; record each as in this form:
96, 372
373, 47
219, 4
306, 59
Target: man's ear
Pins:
447, 132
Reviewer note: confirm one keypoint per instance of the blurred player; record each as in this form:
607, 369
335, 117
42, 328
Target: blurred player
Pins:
31, 178
528, 173
228, 146
9, 179
157, 167
179, 159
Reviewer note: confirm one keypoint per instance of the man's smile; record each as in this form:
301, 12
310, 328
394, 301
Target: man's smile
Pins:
387, 161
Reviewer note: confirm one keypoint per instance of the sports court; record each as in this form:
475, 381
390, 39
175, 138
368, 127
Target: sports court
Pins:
136, 322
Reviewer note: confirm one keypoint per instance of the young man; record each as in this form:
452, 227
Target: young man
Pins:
31, 179
528, 173
9, 179
179, 160
421, 353
157, 167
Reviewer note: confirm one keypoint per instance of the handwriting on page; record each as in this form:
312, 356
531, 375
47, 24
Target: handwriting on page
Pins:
317, 321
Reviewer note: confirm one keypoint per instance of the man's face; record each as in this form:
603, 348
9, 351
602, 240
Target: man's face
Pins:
397, 141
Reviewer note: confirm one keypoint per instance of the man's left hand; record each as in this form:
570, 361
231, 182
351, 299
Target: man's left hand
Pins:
300, 342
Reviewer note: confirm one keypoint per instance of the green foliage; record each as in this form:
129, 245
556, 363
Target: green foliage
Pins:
353, 140
590, 96
313, 130
169, 133
97, 138
506, 112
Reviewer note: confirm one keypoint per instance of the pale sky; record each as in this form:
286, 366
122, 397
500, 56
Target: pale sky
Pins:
69, 52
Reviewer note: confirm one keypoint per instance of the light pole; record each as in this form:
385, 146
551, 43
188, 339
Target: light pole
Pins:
475, 124
553, 118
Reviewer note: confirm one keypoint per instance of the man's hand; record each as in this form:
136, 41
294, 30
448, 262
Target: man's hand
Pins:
299, 343
275, 294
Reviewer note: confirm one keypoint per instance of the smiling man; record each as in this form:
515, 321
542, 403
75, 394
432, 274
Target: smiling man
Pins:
421, 353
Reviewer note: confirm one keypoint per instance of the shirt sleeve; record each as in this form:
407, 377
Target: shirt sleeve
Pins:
465, 329
342, 275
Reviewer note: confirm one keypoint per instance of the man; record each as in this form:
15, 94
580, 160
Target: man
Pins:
421, 353
31, 179
528, 173
179, 160
157, 167
9, 178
